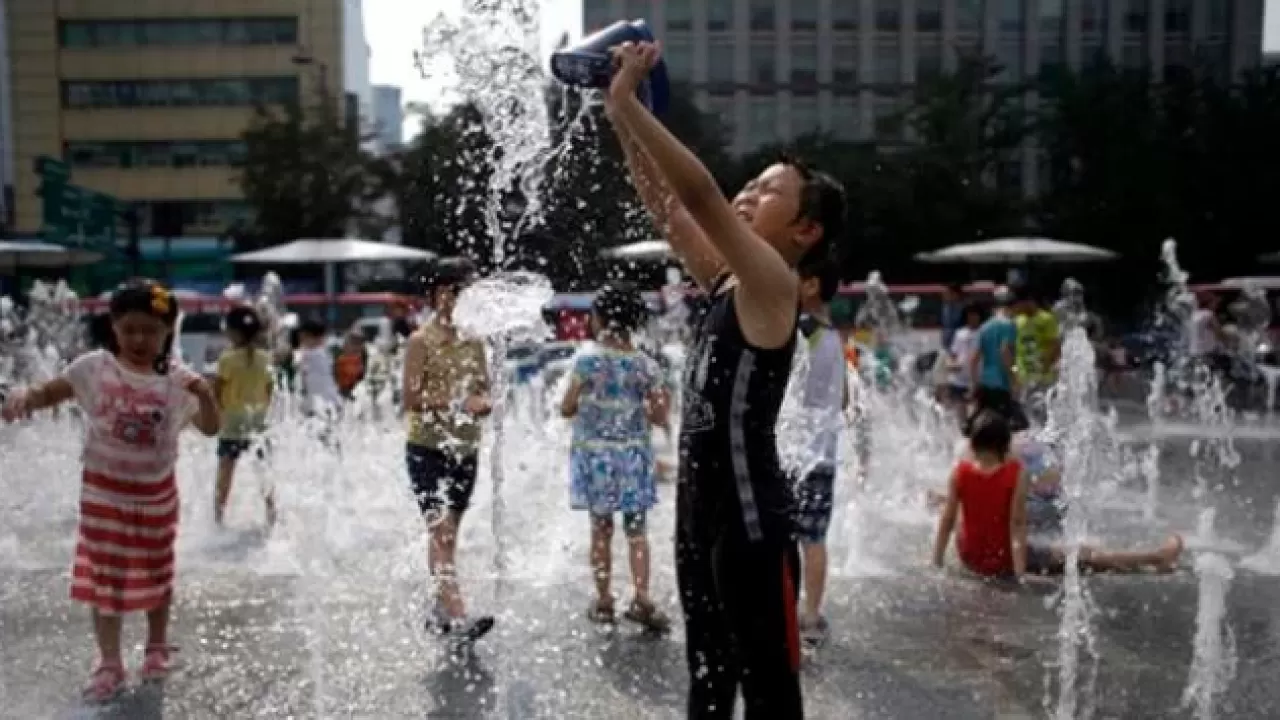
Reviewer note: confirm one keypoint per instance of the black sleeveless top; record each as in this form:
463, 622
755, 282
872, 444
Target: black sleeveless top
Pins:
729, 467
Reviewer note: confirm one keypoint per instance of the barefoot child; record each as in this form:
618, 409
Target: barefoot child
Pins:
988, 495
136, 401
243, 387
615, 395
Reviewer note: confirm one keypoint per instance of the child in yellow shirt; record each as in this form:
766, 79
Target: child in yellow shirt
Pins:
243, 387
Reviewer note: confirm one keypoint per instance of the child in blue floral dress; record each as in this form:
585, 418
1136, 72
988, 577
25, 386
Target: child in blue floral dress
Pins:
615, 396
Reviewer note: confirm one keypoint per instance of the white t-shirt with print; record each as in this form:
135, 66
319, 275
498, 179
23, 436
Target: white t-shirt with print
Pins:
132, 419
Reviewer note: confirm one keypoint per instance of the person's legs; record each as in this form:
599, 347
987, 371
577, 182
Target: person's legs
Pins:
712, 665
1161, 559
757, 581
430, 476
633, 526
228, 452
814, 504
106, 630
602, 558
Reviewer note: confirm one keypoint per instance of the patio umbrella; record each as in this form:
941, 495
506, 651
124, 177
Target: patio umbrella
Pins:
15, 254
1270, 258
1017, 250
331, 252
644, 251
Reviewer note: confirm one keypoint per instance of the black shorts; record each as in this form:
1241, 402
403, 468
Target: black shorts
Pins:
440, 479
233, 448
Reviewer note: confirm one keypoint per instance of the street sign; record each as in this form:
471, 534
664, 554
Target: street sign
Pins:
70, 214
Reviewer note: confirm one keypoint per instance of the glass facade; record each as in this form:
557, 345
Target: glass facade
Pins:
763, 70
720, 62
762, 121
719, 14
126, 154
678, 55
804, 116
804, 14
804, 65
844, 65
888, 15
196, 215
969, 16
844, 16
679, 15
928, 15
763, 15
135, 33
208, 92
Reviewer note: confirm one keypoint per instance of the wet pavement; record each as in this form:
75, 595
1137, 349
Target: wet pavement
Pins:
323, 617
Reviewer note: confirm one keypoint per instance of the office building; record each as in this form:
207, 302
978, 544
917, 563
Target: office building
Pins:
356, 54
388, 116
146, 100
774, 69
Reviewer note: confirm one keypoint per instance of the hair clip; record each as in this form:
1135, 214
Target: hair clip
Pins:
160, 301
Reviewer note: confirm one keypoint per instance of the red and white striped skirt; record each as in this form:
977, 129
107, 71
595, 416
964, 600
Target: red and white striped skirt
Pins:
124, 557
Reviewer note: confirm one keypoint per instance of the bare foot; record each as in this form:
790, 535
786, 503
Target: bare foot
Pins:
1168, 554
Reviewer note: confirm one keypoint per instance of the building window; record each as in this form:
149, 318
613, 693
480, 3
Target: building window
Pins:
804, 116
845, 119
804, 66
239, 92
1135, 55
763, 15
762, 125
596, 15
719, 14
888, 63
1177, 16
1009, 56
928, 60
804, 14
928, 15
844, 65
195, 215
1219, 17
720, 62
637, 9
887, 116
177, 33
1051, 56
1011, 16
969, 16
844, 15
680, 15
155, 154
888, 15
763, 70
678, 55
1051, 19
1135, 16
1093, 16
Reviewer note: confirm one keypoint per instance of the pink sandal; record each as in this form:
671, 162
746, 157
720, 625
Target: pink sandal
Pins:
157, 662
106, 682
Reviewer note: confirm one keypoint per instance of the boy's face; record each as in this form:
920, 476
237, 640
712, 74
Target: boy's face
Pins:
443, 299
770, 205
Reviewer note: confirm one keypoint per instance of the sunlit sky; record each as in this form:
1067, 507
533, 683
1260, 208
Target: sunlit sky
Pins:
394, 30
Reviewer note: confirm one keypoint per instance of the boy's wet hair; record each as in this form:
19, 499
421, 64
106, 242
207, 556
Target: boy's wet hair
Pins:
825, 270
620, 309
244, 320
990, 433
149, 297
822, 200
312, 327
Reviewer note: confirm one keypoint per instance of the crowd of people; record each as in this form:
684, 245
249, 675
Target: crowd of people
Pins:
751, 522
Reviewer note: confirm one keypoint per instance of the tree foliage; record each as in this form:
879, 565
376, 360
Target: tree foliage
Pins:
306, 176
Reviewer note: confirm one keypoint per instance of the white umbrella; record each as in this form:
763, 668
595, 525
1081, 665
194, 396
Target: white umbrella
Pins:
15, 254
1270, 258
645, 250
1017, 250
315, 252
330, 252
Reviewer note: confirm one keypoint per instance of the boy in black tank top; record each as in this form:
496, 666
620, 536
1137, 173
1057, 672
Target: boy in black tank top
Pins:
735, 548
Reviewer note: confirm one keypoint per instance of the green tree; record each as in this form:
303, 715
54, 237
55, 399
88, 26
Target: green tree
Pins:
588, 199
305, 176
440, 184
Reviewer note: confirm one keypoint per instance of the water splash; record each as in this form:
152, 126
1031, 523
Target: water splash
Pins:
1072, 418
494, 47
1267, 560
1213, 662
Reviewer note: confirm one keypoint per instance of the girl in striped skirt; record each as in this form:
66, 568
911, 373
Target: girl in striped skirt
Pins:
136, 401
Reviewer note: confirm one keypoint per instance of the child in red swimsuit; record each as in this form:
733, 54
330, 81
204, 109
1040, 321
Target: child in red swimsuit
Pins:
988, 494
